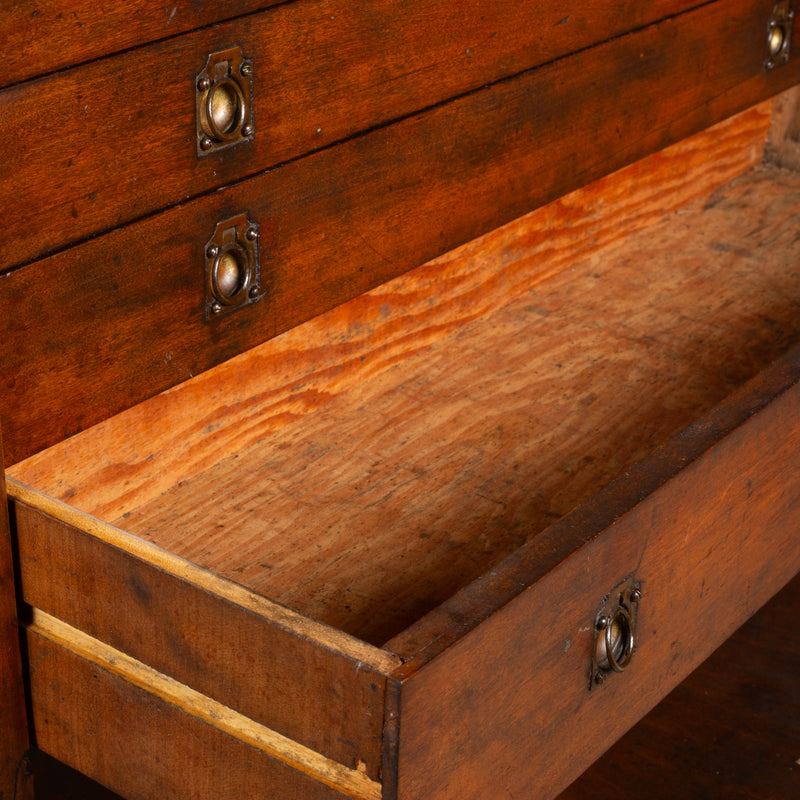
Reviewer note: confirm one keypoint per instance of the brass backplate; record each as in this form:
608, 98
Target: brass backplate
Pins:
232, 269
224, 102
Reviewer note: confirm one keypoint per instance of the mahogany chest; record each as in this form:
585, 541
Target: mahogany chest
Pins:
398, 400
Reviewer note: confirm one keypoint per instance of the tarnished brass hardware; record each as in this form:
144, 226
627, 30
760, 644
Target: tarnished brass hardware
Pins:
779, 35
615, 628
233, 273
224, 101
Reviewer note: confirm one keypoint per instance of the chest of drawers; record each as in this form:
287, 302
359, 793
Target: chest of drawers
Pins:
292, 515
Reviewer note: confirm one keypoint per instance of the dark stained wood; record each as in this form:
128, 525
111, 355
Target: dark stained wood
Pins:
342, 221
253, 662
132, 458
56, 781
41, 37
730, 731
710, 546
114, 140
14, 779
141, 746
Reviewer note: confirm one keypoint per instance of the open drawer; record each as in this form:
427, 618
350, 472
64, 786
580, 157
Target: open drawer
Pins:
453, 538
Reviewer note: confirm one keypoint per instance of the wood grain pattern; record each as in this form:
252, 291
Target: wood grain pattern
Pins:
283, 672
142, 746
42, 37
710, 547
352, 782
98, 151
342, 221
370, 513
14, 783
730, 731
133, 457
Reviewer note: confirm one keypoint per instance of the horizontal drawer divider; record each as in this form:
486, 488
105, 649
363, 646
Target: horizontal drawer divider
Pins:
352, 782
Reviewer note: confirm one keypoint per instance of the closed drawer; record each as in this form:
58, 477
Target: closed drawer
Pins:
387, 535
339, 222
115, 140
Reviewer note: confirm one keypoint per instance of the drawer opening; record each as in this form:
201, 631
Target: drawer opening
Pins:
365, 467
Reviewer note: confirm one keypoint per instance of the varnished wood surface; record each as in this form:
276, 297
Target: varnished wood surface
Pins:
245, 655
507, 708
42, 37
346, 219
133, 457
14, 778
375, 510
114, 140
731, 731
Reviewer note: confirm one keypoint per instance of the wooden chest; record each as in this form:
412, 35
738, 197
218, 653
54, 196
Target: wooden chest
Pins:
398, 399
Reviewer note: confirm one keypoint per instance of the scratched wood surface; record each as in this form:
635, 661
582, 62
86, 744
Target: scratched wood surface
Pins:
114, 139
133, 457
346, 219
368, 514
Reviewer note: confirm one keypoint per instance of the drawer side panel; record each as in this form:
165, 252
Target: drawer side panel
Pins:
325, 700
509, 705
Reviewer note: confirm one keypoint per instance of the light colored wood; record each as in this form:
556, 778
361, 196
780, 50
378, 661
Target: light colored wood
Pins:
351, 782
413, 484
133, 457
208, 581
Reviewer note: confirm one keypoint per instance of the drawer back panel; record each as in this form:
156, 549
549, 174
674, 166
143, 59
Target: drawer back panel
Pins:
125, 311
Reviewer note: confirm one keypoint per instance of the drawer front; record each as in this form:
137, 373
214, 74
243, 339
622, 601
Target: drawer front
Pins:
89, 712
298, 678
509, 704
115, 140
339, 222
42, 37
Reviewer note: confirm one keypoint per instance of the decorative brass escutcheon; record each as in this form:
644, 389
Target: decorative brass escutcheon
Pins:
233, 272
224, 101
779, 35
615, 629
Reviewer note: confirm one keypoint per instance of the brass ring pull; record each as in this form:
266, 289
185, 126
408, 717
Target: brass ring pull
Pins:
224, 101
615, 628
233, 272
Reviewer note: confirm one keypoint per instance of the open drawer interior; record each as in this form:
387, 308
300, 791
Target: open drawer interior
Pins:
364, 467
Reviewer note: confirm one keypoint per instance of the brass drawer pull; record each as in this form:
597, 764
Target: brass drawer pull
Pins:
224, 101
615, 628
779, 35
233, 272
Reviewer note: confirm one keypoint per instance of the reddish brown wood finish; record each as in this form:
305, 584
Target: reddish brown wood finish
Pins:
730, 731
508, 704
13, 721
36, 38
133, 457
273, 674
115, 140
342, 221
142, 747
